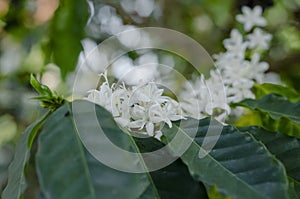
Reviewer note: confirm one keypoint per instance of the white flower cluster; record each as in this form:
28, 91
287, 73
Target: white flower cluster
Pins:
145, 110
203, 98
240, 67
141, 109
238, 71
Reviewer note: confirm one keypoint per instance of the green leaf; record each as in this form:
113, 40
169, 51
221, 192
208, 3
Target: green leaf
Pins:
278, 114
173, 181
239, 166
261, 90
285, 148
40, 88
276, 106
16, 177
67, 29
256, 118
67, 170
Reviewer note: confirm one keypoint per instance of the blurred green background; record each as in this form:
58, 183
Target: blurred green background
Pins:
44, 37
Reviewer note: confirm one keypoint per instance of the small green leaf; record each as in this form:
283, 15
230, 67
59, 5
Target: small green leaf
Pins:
40, 88
261, 90
239, 166
16, 177
48, 99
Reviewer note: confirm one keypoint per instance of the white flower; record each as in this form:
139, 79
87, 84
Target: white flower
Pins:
101, 97
142, 109
251, 18
147, 93
240, 90
202, 97
194, 98
217, 93
257, 68
157, 115
259, 39
94, 96
138, 112
173, 110
235, 44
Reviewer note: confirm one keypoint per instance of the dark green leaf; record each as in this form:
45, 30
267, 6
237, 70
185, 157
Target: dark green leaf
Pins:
16, 177
67, 170
238, 165
173, 181
285, 148
66, 32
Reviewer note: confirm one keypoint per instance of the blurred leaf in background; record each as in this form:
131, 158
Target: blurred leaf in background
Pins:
67, 29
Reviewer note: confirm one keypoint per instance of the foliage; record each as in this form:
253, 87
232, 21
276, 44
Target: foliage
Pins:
48, 99
264, 89
17, 183
239, 166
276, 113
257, 159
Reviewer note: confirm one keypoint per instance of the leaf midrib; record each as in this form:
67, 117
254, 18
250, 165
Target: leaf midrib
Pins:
83, 156
144, 165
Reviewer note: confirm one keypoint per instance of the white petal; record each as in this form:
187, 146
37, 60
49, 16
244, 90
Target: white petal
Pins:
150, 128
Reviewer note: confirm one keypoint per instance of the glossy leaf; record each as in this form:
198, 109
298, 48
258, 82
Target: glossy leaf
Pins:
173, 181
277, 113
276, 106
239, 166
261, 90
67, 170
16, 177
283, 125
285, 148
